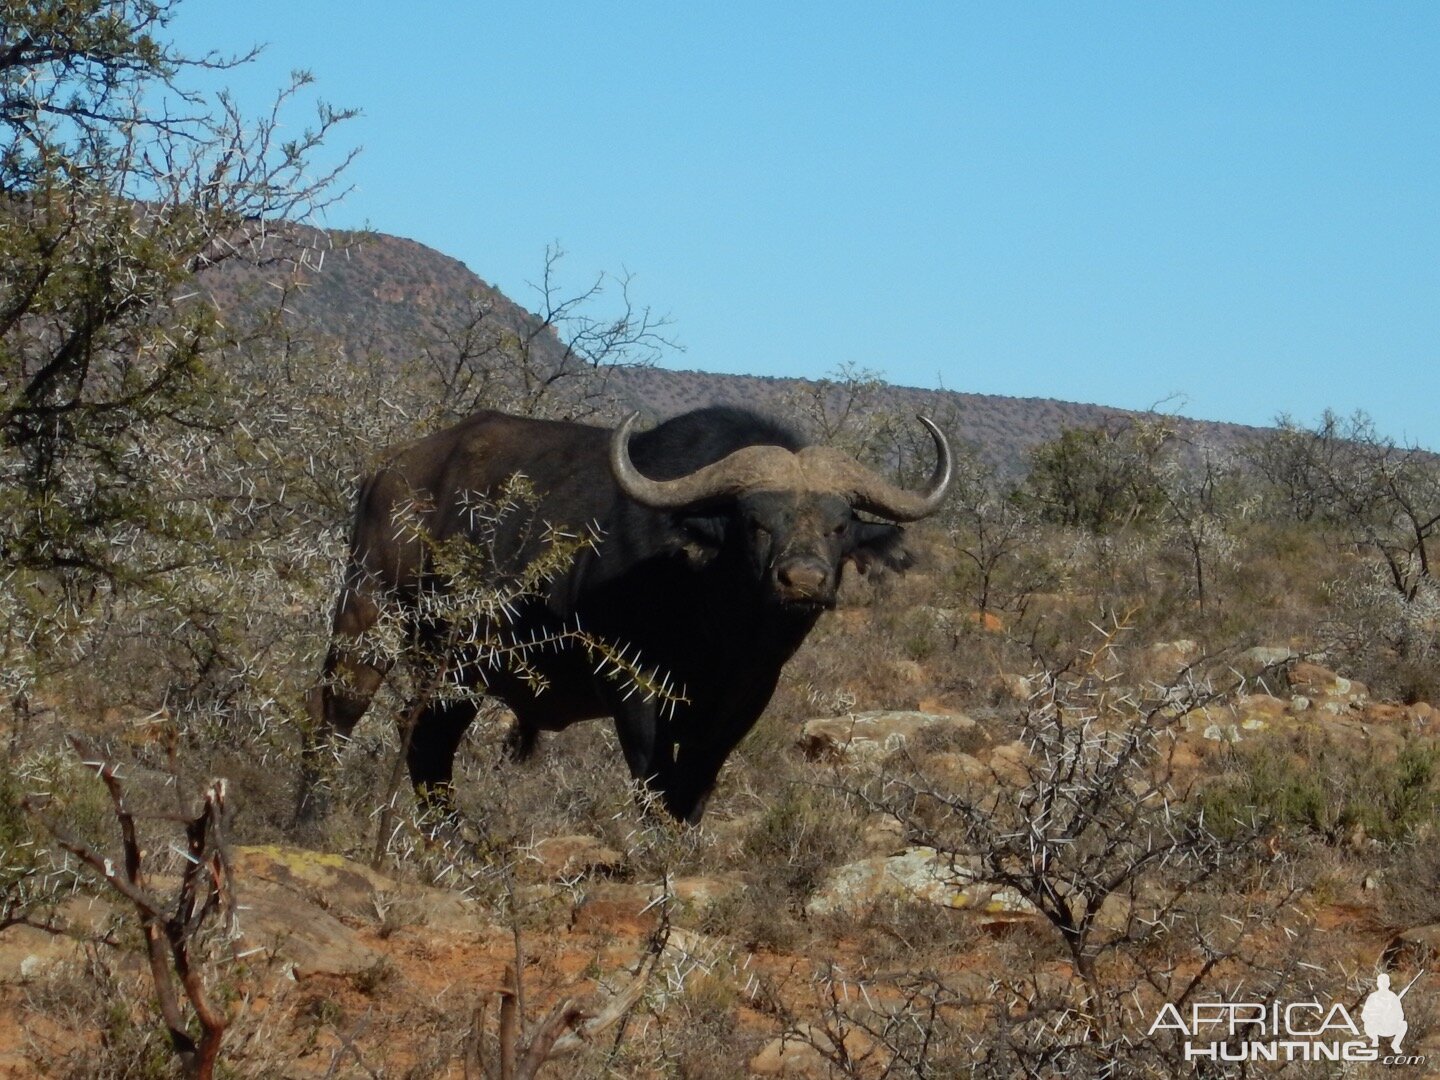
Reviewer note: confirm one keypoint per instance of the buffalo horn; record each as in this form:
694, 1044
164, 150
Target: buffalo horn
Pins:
773, 467
747, 468
869, 491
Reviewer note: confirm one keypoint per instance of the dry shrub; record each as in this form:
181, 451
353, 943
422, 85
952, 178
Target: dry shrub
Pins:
1410, 893
784, 851
704, 1042
115, 1008
1386, 639
896, 933
1336, 786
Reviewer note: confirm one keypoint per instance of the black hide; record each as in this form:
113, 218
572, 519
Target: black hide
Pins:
718, 597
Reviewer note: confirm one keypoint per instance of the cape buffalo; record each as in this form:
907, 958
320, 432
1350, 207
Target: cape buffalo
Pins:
721, 537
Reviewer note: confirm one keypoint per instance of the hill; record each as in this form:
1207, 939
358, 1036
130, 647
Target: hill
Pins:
371, 293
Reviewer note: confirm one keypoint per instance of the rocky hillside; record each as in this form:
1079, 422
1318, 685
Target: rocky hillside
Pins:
376, 294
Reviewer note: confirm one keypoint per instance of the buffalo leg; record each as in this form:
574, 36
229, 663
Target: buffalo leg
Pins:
431, 752
703, 744
348, 682
682, 776
637, 726
687, 783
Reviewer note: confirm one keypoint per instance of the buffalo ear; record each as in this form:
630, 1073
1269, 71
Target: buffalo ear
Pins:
700, 540
879, 544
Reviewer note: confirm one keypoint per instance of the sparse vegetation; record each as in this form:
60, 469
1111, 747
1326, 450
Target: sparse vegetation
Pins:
173, 932
1245, 753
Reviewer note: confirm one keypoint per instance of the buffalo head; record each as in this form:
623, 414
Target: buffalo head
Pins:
790, 516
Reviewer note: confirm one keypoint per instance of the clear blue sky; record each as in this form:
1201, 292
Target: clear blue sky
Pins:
1238, 203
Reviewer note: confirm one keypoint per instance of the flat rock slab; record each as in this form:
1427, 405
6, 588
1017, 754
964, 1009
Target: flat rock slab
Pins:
347, 888
28, 952
613, 903
920, 874
281, 897
1317, 681
1424, 941
798, 1053
310, 941
557, 858
869, 736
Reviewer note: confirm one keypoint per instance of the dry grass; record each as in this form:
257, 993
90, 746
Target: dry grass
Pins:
778, 826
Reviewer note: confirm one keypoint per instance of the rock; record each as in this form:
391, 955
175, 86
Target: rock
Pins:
794, 1053
1009, 763
606, 905
284, 899
704, 891
1228, 723
1261, 706
958, 769
1171, 656
91, 916
343, 886
1253, 661
28, 952
312, 942
1206, 716
1014, 687
1256, 712
1377, 713
1424, 941
287, 900
564, 857
882, 835
685, 950
871, 736
1314, 678
332, 882
1335, 693
1120, 913
919, 874
1184, 647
